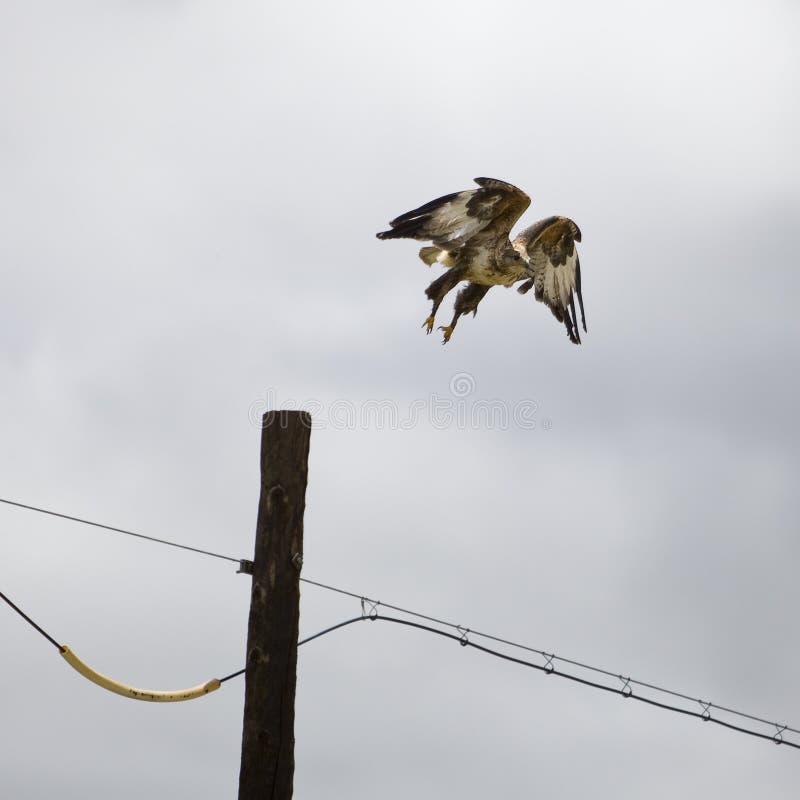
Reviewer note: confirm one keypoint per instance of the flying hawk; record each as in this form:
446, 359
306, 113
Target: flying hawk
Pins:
470, 234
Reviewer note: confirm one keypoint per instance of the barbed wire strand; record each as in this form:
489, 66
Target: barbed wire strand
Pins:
117, 530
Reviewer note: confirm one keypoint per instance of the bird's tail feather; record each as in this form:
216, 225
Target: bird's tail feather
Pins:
526, 287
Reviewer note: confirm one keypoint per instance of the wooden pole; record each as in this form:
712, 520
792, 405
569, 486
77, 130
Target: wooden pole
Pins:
267, 767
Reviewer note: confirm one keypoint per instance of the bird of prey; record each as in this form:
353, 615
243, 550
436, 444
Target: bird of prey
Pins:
470, 233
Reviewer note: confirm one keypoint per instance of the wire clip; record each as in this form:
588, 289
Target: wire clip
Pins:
626, 690
464, 640
245, 567
372, 613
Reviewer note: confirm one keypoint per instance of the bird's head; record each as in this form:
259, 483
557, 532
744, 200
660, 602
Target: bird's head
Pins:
514, 259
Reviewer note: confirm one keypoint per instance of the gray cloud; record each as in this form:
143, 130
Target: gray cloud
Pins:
188, 217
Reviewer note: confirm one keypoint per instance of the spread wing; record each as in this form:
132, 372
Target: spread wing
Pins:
482, 216
549, 248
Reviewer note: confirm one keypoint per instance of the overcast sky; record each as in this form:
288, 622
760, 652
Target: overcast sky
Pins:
188, 205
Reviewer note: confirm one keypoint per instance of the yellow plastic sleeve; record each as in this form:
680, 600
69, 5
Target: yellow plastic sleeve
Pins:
149, 695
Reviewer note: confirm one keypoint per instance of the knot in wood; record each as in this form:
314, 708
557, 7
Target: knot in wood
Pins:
272, 573
258, 594
258, 656
276, 494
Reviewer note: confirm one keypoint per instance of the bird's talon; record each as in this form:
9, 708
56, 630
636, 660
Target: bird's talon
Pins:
428, 325
448, 332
